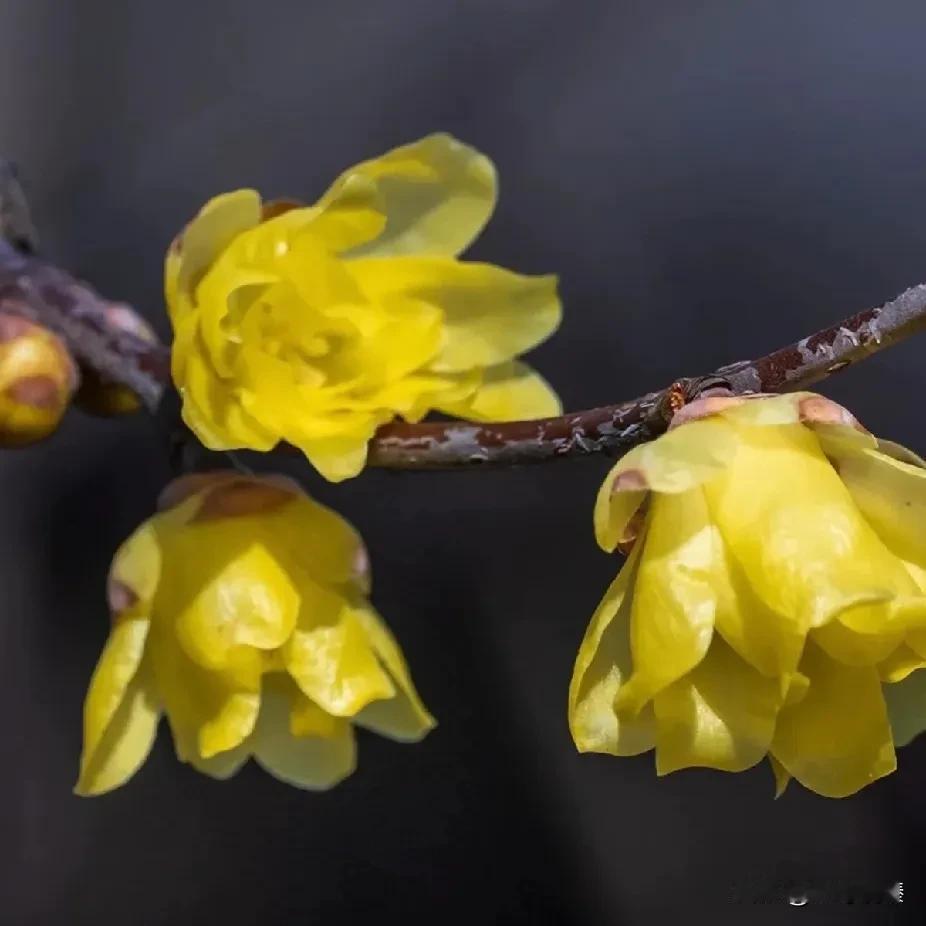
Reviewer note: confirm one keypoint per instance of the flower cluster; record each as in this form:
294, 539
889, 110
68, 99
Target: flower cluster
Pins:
773, 602
314, 325
240, 611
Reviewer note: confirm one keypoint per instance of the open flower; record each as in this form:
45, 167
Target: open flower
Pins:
773, 602
240, 612
316, 324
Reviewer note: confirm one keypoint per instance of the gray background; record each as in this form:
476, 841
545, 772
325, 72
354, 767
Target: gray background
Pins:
710, 179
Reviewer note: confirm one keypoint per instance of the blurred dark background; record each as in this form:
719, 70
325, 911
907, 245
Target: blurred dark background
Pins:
710, 179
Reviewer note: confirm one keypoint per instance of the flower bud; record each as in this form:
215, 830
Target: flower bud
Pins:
98, 395
37, 380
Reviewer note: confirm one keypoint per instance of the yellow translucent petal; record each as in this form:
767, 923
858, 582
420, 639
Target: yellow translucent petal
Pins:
906, 707
602, 665
511, 391
837, 739
403, 716
208, 234
223, 765
109, 688
891, 494
815, 556
680, 586
310, 762
223, 292
126, 743
341, 456
137, 568
900, 663
243, 598
781, 775
437, 194
679, 460
209, 711
329, 657
213, 411
490, 315
721, 715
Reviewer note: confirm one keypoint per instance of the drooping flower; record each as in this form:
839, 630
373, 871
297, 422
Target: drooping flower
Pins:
314, 325
240, 612
773, 602
37, 380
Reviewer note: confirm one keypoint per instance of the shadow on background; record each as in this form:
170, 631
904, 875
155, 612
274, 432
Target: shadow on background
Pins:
709, 179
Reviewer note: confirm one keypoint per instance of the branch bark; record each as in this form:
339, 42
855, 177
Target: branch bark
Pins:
44, 293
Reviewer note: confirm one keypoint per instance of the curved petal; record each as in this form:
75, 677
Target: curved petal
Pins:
602, 665
675, 462
134, 574
906, 707
837, 739
891, 494
681, 585
490, 315
209, 712
721, 715
214, 227
511, 391
402, 717
119, 712
126, 744
781, 775
815, 556
436, 193
226, 592
313, 762
329, 657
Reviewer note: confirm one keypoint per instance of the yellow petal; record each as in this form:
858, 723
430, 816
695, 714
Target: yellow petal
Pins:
511, 391
311, 762
209, 712
721, 715
126, 743
490, 315
815, 556
437, 194
891, 494
203, 240
680, 586
226, 592
223, 765
602, 665
900, 663
906, 707
119, 712
135, 573
329, 656
781, 775
837, 739
684, 457
403, 716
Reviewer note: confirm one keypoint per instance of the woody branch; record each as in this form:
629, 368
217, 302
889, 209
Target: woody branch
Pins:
35, 289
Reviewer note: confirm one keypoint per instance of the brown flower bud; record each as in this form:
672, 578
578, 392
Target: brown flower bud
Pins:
100, 396
37, 380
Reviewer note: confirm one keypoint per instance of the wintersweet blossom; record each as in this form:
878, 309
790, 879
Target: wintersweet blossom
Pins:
773, 602
314, 325
240, 611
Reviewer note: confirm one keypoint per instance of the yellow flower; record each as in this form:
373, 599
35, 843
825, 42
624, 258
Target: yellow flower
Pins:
240, 612
773, 603
37, 380
315, 325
